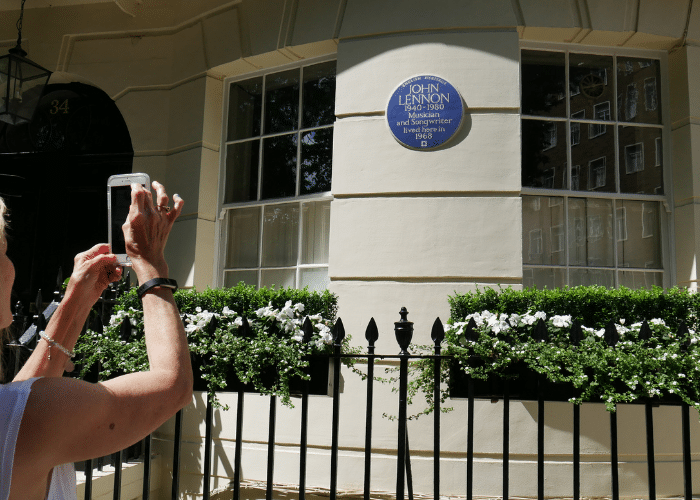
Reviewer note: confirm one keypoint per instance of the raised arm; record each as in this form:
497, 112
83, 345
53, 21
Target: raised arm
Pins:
92, 272
68, 420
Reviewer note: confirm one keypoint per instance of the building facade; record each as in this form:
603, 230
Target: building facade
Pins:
577, 162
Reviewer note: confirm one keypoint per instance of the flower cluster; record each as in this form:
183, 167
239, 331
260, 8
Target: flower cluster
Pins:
659, 363
265, 350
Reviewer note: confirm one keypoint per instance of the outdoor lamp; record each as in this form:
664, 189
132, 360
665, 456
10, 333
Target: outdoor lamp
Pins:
21, 82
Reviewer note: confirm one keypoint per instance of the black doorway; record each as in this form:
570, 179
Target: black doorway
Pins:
53, 177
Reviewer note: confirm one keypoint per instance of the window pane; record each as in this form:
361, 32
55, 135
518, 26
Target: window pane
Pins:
315, 278
233, 278
244, 109
596, 161
317, 225
637, 279
638, 89
280, 278
280, 235
544, 154
543, 230
587, 277
316, 154
243, 237
591, 85
543, 84
544, 277
242, 171
639, 172
279, 175
282, 101
319, 95
638, 234
590, 232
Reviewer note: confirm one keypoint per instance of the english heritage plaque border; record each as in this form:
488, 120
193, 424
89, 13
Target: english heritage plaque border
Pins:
425, 112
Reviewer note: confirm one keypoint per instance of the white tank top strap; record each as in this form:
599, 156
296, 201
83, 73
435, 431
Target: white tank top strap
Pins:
13, 399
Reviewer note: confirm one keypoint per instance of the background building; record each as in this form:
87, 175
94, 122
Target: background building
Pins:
578, 162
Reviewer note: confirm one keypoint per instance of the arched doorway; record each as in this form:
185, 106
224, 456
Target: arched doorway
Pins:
53, 177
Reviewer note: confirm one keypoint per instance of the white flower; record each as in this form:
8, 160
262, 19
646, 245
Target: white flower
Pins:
541, 315
561, 321
621, 330
657, 321
265, 311
227, 312
588, 330
287, 311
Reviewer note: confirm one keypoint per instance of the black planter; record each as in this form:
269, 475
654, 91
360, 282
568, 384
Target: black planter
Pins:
320, 384
520, 381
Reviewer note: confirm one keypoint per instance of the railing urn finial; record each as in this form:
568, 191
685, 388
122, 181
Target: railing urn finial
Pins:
404, 331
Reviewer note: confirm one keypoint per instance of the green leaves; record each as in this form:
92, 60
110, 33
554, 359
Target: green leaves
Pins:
268, 354
658, 362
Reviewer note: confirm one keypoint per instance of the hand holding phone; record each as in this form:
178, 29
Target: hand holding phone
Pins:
118, 203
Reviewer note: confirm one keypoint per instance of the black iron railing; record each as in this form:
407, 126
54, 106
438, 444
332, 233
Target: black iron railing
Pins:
403, 331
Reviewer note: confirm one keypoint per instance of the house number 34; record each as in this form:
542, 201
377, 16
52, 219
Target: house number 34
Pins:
59, 107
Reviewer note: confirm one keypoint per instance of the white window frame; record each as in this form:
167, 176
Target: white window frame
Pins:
598, 129
621, 223
224, 208
631, 98
575, 133
535, 248
594, 173
653, 105
637, 166
552, 131
556, 236
662, 157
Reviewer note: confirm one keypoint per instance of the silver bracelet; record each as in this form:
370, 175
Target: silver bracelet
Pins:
52, 342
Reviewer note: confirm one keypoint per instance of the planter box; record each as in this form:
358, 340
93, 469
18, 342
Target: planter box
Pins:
320, 368
523, 384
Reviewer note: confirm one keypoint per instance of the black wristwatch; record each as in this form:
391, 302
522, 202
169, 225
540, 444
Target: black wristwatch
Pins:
156, 282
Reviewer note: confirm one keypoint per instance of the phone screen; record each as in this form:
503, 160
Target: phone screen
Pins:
121, 200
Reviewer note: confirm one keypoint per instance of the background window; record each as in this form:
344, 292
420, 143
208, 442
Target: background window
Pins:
602, 221
278, 165
634, 158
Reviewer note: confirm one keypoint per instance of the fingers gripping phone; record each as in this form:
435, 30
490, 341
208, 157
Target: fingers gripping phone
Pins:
118, 203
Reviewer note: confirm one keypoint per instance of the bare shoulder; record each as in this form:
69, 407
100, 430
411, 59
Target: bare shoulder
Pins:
45, 420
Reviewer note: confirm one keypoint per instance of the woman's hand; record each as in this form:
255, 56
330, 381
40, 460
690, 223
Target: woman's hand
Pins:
93, 271
147, 228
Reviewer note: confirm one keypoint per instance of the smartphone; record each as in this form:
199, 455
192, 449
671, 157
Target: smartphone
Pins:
118, 203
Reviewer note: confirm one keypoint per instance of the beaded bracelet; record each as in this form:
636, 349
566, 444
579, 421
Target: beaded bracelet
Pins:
51, 342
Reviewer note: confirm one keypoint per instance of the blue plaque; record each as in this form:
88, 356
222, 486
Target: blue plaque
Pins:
424, 112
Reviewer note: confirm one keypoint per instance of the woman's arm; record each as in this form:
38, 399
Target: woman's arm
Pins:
92, 272
68, 420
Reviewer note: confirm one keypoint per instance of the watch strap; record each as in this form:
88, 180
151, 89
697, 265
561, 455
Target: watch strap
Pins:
156, 282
